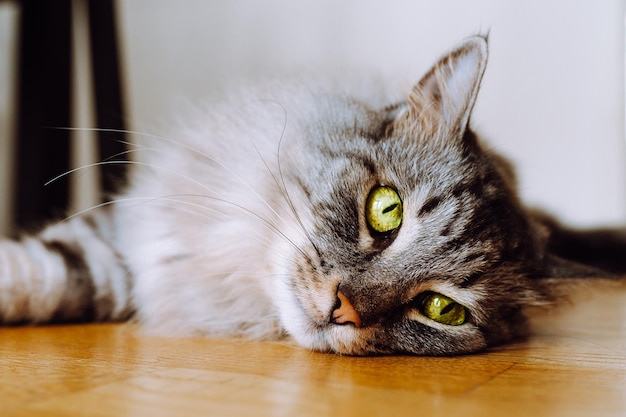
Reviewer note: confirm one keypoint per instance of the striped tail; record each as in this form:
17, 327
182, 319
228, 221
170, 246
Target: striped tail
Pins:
70, 272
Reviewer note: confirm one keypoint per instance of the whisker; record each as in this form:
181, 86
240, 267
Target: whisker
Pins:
284, 190
183, 145
151, 136
154, 201
142, 200
127, 151
95, 207
157, 202
96, 164
281, 185
110, 130
269, 225
71, 171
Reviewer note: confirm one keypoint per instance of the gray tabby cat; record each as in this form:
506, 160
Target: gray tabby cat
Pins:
351, 227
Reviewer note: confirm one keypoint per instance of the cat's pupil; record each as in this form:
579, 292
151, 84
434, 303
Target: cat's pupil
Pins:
390, 208
447, 309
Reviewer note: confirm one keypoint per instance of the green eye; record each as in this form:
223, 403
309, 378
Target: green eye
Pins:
442, 309
383, 210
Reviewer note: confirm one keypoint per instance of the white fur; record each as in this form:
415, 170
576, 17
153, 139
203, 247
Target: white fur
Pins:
206, 229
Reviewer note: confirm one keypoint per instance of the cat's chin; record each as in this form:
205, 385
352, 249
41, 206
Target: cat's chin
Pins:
348, 340
341, 339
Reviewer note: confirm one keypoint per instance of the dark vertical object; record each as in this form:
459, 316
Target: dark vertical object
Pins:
108, 91
44, 103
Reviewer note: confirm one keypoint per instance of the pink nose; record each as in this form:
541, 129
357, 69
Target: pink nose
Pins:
345, 313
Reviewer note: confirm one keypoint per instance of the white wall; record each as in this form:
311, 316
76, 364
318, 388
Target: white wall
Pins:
552, 98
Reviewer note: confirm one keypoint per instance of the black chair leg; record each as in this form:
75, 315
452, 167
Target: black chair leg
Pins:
44, 81
44, 105
108, 92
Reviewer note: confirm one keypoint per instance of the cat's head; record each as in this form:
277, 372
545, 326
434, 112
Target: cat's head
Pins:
416, 241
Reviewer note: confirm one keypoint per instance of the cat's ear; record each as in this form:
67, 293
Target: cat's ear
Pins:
445, 96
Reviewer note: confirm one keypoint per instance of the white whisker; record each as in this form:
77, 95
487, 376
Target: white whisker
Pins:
155, 201
284, 190
280, 185
96, 164
268, 224
176, 143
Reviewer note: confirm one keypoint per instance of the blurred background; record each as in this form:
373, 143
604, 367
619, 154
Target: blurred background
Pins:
552, 97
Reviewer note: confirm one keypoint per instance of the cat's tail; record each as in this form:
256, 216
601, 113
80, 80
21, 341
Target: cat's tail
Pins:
604, 249
68, 272
601, 249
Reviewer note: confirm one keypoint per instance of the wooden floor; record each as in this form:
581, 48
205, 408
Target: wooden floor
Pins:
574, 366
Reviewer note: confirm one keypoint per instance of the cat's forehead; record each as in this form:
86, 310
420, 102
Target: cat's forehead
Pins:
362, 152
344, 113
348, 125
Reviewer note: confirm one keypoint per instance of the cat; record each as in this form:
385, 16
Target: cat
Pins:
294, 211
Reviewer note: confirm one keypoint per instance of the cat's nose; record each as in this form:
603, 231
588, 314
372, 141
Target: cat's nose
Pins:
345, 312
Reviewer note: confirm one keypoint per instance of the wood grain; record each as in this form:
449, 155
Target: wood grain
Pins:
574, 365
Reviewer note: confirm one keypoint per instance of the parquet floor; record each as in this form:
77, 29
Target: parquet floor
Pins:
575, 365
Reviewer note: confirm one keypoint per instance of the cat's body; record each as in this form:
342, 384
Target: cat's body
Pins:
259, 220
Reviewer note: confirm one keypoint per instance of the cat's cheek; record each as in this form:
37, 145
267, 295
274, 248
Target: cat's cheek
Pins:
295, 322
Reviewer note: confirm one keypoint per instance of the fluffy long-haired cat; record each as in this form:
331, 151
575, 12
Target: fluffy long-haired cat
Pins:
351, 227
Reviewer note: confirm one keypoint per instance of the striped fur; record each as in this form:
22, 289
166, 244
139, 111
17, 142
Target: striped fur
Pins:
70, 272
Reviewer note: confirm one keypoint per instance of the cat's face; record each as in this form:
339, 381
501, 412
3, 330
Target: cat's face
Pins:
415, 239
